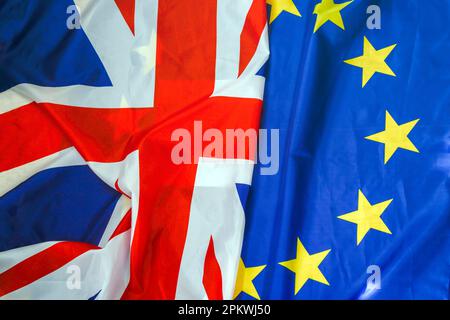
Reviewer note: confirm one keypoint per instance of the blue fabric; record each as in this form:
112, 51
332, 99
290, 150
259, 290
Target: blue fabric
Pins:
242, 190
94, 297
60, 204
37, 47
324, 115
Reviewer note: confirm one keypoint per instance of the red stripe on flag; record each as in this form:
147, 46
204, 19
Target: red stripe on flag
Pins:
127, 8
166, 193
41, 264
28, 133
38, 130
186, 53
185, 76
212, 276
123, 226
116, 185
251, 34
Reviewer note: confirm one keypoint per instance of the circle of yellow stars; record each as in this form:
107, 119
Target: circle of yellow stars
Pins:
367, 216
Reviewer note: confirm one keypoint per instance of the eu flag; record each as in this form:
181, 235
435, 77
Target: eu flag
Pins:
360, 206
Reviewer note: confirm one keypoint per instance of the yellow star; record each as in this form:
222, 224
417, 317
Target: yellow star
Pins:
394, 137
306, 266
244, 280
328, 10
278, 6
372, 61
367, 217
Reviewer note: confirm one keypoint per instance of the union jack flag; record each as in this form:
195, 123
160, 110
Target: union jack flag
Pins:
87, 184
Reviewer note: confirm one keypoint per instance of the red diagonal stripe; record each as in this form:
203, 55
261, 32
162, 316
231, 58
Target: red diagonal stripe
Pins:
127, 8
123, 226
41, 264
116, 185
251, 33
